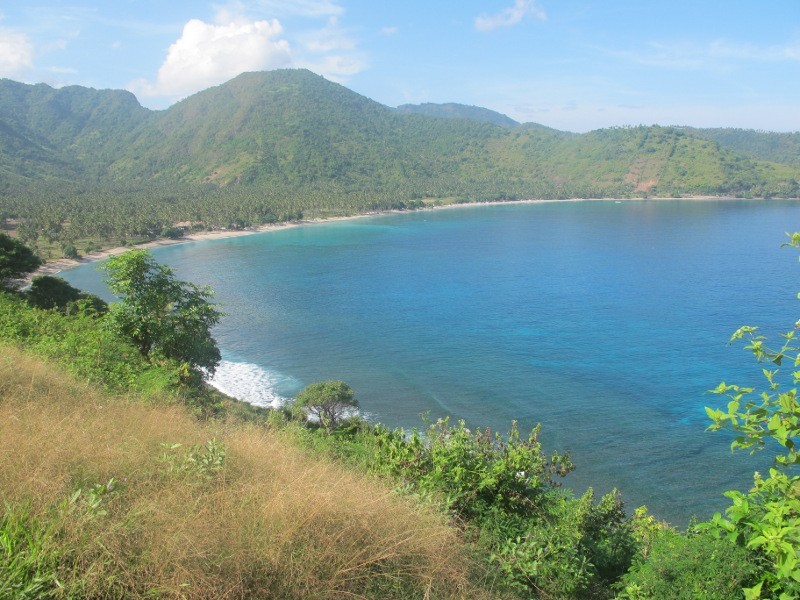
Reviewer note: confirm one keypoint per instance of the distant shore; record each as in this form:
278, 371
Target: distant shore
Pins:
54, 267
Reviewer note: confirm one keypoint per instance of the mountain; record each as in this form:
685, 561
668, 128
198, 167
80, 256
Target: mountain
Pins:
458, 111
273, 145
294, 128
289, 127
64, 133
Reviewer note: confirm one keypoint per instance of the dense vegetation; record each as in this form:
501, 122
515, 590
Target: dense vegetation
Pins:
128, 495
81, 168
759, 145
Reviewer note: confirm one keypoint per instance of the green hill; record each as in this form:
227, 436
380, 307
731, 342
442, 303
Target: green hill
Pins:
266, 146
67, 133
291, 127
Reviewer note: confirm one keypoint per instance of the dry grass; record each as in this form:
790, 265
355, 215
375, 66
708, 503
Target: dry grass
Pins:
271, 523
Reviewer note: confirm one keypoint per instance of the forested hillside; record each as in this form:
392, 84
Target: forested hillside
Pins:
77, 163
760, 145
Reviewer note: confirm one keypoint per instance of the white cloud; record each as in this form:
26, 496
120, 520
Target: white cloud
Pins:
389, 31
208, 54
331, 52
510, 16
336, 68
718, 55
16, 53
63, 70
301, 8
725, 49
329, 39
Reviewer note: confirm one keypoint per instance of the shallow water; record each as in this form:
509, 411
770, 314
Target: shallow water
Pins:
605, 321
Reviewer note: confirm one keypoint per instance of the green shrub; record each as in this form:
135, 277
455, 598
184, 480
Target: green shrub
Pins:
767, 518
503, 491
86, 348
69, 251
689, 567
48, 292
474, 472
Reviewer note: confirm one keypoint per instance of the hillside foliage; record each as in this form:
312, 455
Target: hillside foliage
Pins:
80, 165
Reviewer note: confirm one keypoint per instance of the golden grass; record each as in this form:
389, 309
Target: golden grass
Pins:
273, 522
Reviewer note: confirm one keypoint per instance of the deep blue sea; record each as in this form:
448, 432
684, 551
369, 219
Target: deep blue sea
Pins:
605, 321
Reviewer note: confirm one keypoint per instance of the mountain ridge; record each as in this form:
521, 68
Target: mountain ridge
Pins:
453, 110
273, 145
295, 127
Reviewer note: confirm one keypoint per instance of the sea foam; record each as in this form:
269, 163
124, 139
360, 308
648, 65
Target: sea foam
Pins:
248, 382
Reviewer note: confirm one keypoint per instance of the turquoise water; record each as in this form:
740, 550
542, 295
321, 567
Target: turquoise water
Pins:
605, 321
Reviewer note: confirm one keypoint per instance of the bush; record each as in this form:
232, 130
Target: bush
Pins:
53, 292
80, 343
767, 518
70, 251
688, 567
503, 491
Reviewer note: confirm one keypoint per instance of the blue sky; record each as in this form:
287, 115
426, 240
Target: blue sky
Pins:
575, 65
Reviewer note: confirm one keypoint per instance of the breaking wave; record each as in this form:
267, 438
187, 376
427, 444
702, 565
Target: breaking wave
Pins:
250, 383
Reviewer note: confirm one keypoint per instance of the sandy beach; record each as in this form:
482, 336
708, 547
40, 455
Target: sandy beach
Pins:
54, 267
63, 264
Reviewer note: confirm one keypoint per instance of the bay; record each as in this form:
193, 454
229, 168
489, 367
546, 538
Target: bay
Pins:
605, 321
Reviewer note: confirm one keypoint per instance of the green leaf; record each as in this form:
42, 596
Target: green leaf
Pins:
753, 593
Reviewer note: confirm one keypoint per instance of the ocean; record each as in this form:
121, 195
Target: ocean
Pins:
605, 321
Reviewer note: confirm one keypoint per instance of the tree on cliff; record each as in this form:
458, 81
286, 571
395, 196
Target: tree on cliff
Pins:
161, 315
328, 401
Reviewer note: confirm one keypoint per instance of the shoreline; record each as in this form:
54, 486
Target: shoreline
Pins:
54, 267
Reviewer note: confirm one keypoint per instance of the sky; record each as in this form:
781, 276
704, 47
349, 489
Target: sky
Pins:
575, 65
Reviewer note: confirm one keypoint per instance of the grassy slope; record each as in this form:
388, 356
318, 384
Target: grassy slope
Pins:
267, 521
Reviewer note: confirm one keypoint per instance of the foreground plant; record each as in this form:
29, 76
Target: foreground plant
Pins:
767, 518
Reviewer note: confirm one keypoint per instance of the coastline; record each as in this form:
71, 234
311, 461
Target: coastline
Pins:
64, 264
54, 267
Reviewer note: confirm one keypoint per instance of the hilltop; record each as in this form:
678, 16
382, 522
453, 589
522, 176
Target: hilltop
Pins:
452, 110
